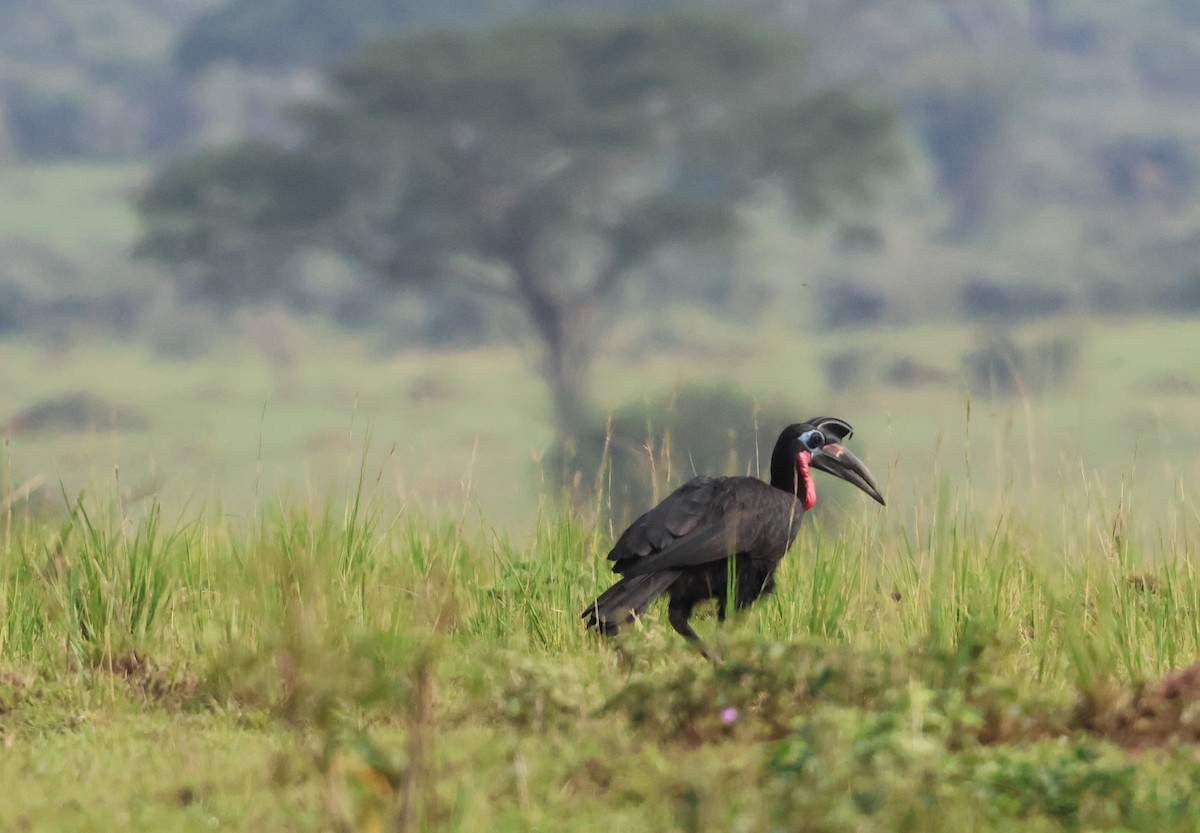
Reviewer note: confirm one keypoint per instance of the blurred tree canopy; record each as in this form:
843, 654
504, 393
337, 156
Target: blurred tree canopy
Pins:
275, 34
281, 34
540, 164
89, 79
230, 218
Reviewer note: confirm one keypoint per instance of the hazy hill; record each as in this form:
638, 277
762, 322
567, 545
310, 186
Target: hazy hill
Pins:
1051, 142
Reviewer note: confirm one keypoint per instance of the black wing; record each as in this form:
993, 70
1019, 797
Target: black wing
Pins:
704, 520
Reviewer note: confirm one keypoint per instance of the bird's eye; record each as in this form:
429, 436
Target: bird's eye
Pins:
812, 440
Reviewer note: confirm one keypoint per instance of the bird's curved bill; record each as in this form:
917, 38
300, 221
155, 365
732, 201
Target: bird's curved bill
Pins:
839, 461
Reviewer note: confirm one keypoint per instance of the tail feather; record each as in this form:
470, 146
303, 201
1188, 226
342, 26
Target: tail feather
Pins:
629, 597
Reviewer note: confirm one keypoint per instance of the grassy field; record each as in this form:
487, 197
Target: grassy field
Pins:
328, 594
441, 430
70, 206
316, 584
361, 667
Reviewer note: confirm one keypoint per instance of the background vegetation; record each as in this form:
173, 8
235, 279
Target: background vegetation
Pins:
282, 544
352, 667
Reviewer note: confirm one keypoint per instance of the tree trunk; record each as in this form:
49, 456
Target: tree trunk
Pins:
565, 324
567, 338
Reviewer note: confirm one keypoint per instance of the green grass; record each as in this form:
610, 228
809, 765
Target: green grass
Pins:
205, 639
444, 429
365, 667
70, 206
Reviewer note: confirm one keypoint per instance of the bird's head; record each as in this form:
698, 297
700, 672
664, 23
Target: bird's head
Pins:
817, 443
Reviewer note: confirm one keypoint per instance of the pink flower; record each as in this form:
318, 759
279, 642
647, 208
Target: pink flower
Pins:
729, 716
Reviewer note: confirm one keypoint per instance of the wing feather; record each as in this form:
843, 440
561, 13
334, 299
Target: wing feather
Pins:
678, 514
712, 543
704, 520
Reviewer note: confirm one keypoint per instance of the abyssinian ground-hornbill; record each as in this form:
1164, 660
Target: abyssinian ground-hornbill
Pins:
684, 546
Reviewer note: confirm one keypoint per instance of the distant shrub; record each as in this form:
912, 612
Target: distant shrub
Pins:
275, 332
851, 304
176, 331
907, 372
1055, 361
1172, 384
992, 300
995, 365
78, 411
1169, 62
13, 309
860, 237
1155, 169
1180, 298
647, 448
962, 123
1001, 367
845, 369
61, 293
47, 126
1113, 297
456, 320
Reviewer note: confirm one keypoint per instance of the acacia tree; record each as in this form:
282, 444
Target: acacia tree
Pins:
542, 164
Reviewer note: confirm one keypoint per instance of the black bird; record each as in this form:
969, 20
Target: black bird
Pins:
683, 547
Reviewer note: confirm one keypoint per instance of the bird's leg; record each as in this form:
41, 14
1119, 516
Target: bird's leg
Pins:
726, 588
678, 614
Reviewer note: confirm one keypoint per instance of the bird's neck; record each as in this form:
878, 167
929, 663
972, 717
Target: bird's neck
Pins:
784, 476
792, 475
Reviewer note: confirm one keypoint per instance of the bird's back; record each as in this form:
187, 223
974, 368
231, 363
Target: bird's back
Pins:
744, 512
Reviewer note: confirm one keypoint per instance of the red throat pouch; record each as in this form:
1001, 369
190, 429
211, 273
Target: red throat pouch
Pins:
810, 489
